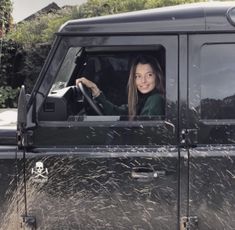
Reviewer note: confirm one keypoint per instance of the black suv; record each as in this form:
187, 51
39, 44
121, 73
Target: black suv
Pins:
75, 169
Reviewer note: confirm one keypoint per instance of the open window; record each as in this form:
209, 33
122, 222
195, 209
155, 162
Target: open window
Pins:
108, 67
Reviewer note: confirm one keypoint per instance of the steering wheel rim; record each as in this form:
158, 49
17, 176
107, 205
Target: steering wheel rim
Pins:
89, 99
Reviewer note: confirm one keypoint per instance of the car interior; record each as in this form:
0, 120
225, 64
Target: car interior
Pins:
107, 67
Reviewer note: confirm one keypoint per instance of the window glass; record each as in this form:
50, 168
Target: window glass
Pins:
67, 68
218, 81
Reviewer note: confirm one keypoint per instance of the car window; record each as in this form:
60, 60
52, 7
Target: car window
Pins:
217, 73
66, 68
108, 69
106, 60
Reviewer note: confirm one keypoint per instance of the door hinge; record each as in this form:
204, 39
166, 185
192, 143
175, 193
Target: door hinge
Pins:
29, 222
189, 223
188, 138
25, 139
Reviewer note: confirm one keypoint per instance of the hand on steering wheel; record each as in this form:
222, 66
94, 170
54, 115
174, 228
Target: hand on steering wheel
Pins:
83, 89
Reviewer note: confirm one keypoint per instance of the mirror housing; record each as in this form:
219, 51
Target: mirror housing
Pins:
21, 117
22, 110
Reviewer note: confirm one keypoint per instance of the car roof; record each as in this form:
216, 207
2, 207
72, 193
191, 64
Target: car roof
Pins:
196, 17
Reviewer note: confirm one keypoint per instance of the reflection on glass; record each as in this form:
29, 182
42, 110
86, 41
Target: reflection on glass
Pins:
218, 81
66, 69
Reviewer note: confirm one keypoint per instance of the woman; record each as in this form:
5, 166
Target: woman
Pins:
145, 90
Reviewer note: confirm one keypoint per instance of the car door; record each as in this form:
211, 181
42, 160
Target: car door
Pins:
102, 172
211, 116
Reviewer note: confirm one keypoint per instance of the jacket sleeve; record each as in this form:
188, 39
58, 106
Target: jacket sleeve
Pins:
109, 108
153, 106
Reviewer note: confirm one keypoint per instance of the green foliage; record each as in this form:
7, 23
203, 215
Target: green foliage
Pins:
8, 96
161, 3
19, 66
52, 27
5, 11
32, 64
94, 8
41, 29
28, 33
8, 88
8, 49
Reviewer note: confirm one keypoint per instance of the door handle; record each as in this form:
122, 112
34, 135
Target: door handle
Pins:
146, 173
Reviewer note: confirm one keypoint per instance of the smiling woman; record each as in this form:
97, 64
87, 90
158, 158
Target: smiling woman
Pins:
145, 90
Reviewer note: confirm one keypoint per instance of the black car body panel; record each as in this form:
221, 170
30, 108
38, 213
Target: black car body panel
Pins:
104, 190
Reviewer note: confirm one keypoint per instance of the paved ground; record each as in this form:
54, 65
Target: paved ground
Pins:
8, 118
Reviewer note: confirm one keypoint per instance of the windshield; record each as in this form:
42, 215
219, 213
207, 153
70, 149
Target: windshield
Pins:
66, 69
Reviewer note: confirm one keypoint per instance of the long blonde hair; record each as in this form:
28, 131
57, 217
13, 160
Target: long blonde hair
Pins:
132, 89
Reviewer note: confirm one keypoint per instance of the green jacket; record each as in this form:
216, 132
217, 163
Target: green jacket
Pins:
153, 105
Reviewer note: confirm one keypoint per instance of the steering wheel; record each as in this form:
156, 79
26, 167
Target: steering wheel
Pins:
85, 93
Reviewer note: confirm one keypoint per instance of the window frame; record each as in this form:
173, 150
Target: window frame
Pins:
209, 131
169, 42
221, 83
196, 42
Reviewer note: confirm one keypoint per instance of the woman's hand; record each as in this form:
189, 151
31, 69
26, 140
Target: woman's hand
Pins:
89, 84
